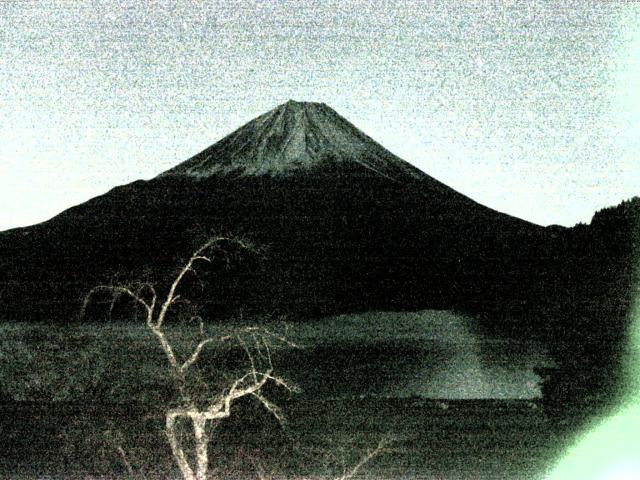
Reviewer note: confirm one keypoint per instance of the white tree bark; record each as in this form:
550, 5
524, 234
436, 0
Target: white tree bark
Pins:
202, 457
176, 448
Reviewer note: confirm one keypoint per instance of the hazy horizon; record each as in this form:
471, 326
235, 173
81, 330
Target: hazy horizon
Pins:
530, 109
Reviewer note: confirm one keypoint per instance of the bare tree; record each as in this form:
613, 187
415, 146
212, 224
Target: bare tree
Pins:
257, 344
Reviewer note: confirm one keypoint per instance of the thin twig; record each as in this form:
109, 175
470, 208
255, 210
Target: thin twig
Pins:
370, 455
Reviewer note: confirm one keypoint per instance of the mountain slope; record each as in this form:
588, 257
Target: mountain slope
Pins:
346, 225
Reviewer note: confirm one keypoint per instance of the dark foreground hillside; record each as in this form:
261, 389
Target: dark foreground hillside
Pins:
467, 440
100, 391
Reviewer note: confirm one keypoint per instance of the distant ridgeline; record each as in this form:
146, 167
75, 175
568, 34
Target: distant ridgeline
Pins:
345, 226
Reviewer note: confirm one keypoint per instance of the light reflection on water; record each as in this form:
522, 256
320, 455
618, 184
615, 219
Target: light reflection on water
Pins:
428, 354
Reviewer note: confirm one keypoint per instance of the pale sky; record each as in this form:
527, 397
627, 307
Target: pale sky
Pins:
531, 108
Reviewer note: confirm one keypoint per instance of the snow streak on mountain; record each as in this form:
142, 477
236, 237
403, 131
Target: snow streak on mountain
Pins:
293, 138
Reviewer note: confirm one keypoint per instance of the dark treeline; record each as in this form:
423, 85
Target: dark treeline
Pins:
589, 304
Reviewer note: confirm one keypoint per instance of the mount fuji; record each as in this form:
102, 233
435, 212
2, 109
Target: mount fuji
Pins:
346, 226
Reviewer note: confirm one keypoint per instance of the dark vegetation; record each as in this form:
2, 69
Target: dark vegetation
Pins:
99, 387
587, 313
470, 440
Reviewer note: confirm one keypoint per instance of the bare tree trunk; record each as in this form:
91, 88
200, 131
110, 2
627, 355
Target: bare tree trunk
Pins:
202, 456
176, 449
